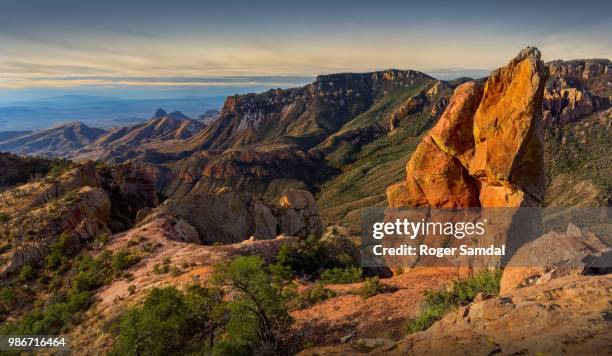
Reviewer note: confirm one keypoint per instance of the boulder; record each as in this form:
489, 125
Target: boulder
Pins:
299, 215
555, 255
336, 243
83, 175
441, 177
29, 254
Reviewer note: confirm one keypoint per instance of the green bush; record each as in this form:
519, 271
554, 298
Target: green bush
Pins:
4, 217
310, 257
57, 318
122, 260
370, 287
90, 273
312, 296
60, 251
160, 327
161, 269
172, 322
339, 275
8, 298
437, 304
59, 166
257, 312
27, 273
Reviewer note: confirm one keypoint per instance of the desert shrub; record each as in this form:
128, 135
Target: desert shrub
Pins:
439, 303
316, 294
90, 273
59, 252
257, 312
8, 298
208, 310
171, 322
200, 320
57, 318
59, 166
373, 286
160, 327
339, 275
122, 260
4, 217
26, 273
101, 239
63, 309
310, 257
175, 271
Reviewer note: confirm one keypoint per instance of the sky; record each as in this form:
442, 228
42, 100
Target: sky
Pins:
160, 48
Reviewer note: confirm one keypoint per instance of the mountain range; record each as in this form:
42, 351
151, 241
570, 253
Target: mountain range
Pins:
345, 137
100, 239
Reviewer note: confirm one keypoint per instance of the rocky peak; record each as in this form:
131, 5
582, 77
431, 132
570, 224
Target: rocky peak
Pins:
487, 148
160, 113
177, 115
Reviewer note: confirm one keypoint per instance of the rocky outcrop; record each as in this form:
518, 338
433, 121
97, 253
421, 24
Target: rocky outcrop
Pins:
299, 215
487, 148
555, 255
577, 89
336, 243
83, 175
82, 216
228, 217
81, 204
570, 315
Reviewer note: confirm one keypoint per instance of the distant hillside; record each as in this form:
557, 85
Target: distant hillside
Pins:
7, 135
56, 141
160, 128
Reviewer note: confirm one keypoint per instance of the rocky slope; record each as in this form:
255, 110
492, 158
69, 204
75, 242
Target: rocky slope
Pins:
569, 315
118, 142
314, 137
81, 204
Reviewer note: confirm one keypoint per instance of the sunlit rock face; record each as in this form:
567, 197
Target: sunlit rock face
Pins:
487, 148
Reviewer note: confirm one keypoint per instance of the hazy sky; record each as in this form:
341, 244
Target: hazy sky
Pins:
182, 44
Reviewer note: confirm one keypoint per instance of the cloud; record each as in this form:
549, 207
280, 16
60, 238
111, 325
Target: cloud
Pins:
161, 82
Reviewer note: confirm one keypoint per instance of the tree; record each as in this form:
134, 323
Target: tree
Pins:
257, 312
208, 310
158, 328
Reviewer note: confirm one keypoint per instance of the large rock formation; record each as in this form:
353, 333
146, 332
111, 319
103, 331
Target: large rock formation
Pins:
228, 217
80, 204
577, 89
487, 148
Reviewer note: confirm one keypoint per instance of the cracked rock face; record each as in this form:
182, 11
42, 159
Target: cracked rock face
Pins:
487, 148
